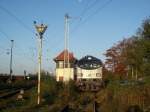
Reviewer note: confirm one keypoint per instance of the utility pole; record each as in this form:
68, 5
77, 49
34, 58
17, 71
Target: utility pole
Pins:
11, 71
66, 41
25, 74
40, 29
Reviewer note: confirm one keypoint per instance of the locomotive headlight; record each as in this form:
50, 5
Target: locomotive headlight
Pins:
98, 75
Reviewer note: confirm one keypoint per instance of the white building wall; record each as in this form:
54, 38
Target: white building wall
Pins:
66, 73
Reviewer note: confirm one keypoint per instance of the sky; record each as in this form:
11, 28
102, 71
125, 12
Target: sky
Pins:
94, 27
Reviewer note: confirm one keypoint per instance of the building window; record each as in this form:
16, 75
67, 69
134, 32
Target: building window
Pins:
61, 78
61, 64
57, 65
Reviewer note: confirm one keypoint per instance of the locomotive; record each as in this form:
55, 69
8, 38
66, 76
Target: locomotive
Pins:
89, 73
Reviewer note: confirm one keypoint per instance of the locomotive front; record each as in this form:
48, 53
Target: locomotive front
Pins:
89, 73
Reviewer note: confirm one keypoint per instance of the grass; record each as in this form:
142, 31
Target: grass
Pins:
114, 98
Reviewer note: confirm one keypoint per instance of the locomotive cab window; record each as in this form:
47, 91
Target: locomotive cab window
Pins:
89, 63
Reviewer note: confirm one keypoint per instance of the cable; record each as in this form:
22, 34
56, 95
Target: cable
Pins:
91, 15
16, 18
5, 35
100, 8
88, 7
19, 21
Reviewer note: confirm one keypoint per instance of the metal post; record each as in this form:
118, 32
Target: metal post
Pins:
11, 71
25, 74
66, 38
39, 70
65, 42
40, 29
68, 41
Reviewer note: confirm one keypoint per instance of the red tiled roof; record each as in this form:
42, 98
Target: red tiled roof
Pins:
60, 57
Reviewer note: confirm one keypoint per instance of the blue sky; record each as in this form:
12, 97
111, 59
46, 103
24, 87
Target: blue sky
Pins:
94, 28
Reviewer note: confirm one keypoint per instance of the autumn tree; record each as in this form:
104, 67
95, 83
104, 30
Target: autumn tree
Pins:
116, 58
131, 56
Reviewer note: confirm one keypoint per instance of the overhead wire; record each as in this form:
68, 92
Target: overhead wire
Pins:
1, 50
8, 39
16, 18
99, 9
5, 35
82, 14
91, 15
20, 22
88, 7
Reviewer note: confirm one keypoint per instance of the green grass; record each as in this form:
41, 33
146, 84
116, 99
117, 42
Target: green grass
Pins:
55, 96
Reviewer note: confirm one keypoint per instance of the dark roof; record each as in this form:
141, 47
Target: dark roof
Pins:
89, 62
90, 59
65, 54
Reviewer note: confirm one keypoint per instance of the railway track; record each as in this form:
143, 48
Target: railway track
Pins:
9, 94
6, 93
12, 93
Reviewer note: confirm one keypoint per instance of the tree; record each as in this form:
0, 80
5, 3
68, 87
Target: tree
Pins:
116, 56
131, 56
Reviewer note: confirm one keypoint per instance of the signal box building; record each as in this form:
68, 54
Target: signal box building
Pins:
65, 64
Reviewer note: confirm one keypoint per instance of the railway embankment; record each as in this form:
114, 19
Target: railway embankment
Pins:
118, 96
